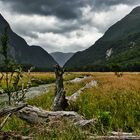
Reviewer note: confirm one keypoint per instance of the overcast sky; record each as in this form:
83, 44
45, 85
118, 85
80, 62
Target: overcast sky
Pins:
64, 25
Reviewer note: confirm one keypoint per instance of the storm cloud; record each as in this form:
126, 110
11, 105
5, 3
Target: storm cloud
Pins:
64, 25
108, 3
65, 9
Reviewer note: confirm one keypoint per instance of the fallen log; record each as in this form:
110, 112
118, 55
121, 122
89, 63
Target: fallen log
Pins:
8, 110
36, 115
114, 137
74, 96
114, 133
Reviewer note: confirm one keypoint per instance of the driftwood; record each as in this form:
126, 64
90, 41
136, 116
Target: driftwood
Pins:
8, 110
60, 102
75, 96
114, 137
36, 115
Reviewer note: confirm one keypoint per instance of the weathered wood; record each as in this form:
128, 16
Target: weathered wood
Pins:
114, 133
75, 96
114, 137
9, 109
36, 115
60, 102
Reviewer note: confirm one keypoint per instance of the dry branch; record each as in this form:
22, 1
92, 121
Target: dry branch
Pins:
75, 96
9, 110
114, 138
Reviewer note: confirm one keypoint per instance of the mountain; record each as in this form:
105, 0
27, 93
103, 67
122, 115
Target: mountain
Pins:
117, 50
61, 58
24, 54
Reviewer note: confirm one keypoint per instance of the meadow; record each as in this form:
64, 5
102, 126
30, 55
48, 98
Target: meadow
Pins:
115, 103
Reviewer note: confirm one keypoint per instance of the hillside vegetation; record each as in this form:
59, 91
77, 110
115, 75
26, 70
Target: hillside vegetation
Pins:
117, 50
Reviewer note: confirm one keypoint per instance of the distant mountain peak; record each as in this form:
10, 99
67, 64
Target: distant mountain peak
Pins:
61, 57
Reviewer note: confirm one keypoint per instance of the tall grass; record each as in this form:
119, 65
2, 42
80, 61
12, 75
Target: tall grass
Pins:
44, 101
119, 98
115, 102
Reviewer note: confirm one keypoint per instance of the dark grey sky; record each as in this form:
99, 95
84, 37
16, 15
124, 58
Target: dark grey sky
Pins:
64, 25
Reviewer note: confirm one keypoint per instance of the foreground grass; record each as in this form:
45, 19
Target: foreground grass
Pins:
44, 101
115, 103
54, 131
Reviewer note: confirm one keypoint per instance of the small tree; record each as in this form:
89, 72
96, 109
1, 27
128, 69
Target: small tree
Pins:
18, 79
7, 64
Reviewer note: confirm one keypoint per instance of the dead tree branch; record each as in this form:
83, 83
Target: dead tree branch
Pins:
9, 110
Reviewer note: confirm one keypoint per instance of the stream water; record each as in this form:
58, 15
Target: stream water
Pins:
32, 92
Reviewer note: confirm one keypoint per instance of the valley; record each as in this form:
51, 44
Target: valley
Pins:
86, 95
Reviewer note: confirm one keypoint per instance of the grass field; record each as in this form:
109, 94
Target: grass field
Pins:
39, 78
115, 102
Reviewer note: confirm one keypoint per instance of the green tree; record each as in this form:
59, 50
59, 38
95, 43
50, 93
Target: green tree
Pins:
13, 74
7, 63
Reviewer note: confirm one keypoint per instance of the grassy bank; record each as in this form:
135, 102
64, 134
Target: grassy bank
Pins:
114, 102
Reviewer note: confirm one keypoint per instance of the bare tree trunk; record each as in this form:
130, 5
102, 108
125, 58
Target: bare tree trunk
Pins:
60, 102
